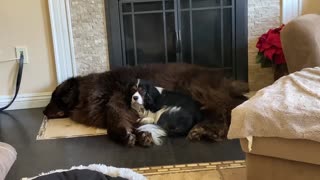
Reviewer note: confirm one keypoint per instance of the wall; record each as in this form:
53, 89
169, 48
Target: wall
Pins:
26, 23
310, 6
262, 15
89, 34
88, 23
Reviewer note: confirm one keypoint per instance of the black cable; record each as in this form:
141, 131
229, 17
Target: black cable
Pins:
19, 77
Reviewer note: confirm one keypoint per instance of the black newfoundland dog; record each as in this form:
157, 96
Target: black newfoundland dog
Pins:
101, 99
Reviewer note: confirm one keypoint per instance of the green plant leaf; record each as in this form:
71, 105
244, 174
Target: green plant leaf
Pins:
265, 62
259, 57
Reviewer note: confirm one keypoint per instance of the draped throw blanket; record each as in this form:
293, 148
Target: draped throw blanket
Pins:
290, 108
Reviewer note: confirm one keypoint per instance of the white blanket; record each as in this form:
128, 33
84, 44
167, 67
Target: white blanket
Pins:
290, 108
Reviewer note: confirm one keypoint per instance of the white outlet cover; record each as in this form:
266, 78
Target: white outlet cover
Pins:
25, 53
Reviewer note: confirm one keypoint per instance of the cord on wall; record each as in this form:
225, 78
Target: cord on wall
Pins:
8, 60
18, 82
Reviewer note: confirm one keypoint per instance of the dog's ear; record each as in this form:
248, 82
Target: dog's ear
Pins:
69, 91
153, 91
149, 103
150, 98
129, 90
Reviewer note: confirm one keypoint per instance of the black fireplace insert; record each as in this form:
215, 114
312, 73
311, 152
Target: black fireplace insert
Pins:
211, 33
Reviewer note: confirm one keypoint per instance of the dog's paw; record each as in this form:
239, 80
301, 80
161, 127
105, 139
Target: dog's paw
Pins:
196, 134
147, 120
145, 139
213, 137
217, 135
131, 140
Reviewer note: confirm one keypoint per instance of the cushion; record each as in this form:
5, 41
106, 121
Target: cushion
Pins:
300, 40
7, 157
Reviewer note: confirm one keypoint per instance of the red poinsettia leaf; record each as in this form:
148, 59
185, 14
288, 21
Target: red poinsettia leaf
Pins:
265, 46
261, 41
274, 39
268, 53
279, 51
270, 31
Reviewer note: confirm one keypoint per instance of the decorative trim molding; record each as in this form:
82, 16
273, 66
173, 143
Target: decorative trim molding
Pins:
196, 167
300, 7
73, 59
26, 101
62, 39
291, 9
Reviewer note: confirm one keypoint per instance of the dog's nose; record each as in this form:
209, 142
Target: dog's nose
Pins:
135, 98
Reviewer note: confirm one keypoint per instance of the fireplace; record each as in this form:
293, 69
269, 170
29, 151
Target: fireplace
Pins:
211, 33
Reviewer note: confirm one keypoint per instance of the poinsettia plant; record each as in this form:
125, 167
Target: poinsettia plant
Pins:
270, 48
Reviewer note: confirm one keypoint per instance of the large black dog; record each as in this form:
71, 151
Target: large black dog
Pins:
174, 112
100, 99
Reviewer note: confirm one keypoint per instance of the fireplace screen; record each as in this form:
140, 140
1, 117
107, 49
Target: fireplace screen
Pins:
211, 33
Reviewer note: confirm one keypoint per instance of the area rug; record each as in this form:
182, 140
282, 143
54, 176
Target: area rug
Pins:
66, 128
226, 170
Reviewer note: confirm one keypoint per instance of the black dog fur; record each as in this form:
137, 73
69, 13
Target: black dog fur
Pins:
180, 112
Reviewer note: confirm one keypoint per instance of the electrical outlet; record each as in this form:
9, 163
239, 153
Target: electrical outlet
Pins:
23, 50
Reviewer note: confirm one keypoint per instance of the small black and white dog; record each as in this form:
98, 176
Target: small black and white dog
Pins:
174, 112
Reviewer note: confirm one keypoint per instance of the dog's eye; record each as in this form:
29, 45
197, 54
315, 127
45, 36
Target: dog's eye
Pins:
141, 90
134, 88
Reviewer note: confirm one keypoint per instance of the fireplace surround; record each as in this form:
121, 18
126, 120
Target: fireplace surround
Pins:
91, 51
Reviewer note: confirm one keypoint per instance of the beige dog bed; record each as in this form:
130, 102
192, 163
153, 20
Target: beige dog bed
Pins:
7, 157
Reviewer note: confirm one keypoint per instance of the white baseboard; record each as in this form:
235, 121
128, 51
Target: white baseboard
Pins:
27, 101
